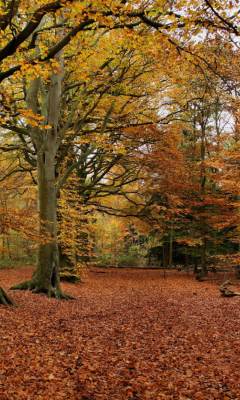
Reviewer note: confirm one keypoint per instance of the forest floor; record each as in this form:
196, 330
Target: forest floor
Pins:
129, 335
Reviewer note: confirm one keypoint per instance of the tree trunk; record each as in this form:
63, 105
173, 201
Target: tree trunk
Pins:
46, 278
238, 266
5, 299
166, 250
186, 260
163, 258
204, 271
170, 246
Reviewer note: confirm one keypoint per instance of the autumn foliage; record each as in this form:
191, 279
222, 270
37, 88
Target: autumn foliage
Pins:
130, 335
119, 148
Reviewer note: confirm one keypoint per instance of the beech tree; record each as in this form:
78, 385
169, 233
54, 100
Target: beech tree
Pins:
45, 51
83, 114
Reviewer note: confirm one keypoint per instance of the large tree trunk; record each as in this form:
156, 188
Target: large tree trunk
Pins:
46, 278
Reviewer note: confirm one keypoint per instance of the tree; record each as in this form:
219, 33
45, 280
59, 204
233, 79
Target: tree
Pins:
23, 56
83, 115
204, 206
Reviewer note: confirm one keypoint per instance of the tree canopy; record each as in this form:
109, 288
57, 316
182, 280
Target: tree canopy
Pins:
128, 99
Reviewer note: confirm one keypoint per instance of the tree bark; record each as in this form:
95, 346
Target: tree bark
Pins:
5, 299
204, 271
46, 278
170, 246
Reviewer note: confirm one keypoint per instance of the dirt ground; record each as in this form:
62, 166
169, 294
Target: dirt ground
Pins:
129, 335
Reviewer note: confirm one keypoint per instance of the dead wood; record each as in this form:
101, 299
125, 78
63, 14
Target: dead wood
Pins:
225, 291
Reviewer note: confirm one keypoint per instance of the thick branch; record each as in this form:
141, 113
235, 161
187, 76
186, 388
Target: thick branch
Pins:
37, 17
10, 12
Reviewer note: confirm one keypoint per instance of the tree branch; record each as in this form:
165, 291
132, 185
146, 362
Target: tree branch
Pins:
228, 23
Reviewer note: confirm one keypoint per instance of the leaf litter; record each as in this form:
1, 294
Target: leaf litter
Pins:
130, 335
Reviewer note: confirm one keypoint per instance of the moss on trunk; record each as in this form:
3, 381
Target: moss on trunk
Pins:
46, 279
39, 286
5, 299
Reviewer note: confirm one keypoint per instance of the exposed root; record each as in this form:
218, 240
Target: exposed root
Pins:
22, 286
48, 291
65, 296
5, 299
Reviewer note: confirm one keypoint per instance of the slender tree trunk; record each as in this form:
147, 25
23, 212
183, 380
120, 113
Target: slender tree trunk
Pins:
204, 270
170, 246
166, 255
238, 266
163, 258
3, 247
195, 265
186, 264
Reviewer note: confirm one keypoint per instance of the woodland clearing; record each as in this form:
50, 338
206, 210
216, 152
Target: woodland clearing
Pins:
129, 335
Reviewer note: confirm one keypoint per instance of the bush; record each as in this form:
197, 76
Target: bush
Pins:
125, 260
105, 260
13, 262
133, 257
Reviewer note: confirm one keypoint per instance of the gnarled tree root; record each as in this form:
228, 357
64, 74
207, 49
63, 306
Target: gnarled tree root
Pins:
48, 291
5, 299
